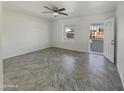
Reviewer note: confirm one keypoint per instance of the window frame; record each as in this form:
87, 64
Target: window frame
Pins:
64, 32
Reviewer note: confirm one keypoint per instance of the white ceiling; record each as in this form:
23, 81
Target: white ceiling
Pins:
73, 8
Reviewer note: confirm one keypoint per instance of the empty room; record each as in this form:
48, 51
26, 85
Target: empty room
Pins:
61, 45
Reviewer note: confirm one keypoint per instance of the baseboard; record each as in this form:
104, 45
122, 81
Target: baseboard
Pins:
78, 51
70, 49
1, 75
120, 76
25, 53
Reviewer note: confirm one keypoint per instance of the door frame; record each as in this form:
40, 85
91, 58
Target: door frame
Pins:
115, 43
89, 49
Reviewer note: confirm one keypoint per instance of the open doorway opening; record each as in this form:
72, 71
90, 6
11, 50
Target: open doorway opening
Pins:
96, 38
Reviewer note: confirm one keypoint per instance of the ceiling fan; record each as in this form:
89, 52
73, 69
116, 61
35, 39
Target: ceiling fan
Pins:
55, 10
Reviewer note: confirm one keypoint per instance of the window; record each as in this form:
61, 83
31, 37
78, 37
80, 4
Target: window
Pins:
69, 32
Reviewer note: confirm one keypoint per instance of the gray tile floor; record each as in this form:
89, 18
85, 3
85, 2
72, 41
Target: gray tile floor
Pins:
59, 69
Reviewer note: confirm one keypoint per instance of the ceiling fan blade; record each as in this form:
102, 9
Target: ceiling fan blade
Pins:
47, 8
63, 14
47, 12
62, 9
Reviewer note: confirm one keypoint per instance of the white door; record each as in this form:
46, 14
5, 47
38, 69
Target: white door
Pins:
109, 39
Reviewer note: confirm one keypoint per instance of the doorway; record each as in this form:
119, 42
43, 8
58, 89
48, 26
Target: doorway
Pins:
96, 38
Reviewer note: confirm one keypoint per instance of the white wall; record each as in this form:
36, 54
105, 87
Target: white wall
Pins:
81, 24
23, 33
1, 65
120, 40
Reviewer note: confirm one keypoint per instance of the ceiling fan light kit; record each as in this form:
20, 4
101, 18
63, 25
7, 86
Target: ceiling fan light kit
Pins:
55, 14
55, 11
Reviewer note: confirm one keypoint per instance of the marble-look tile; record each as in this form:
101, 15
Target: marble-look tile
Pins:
55, 69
